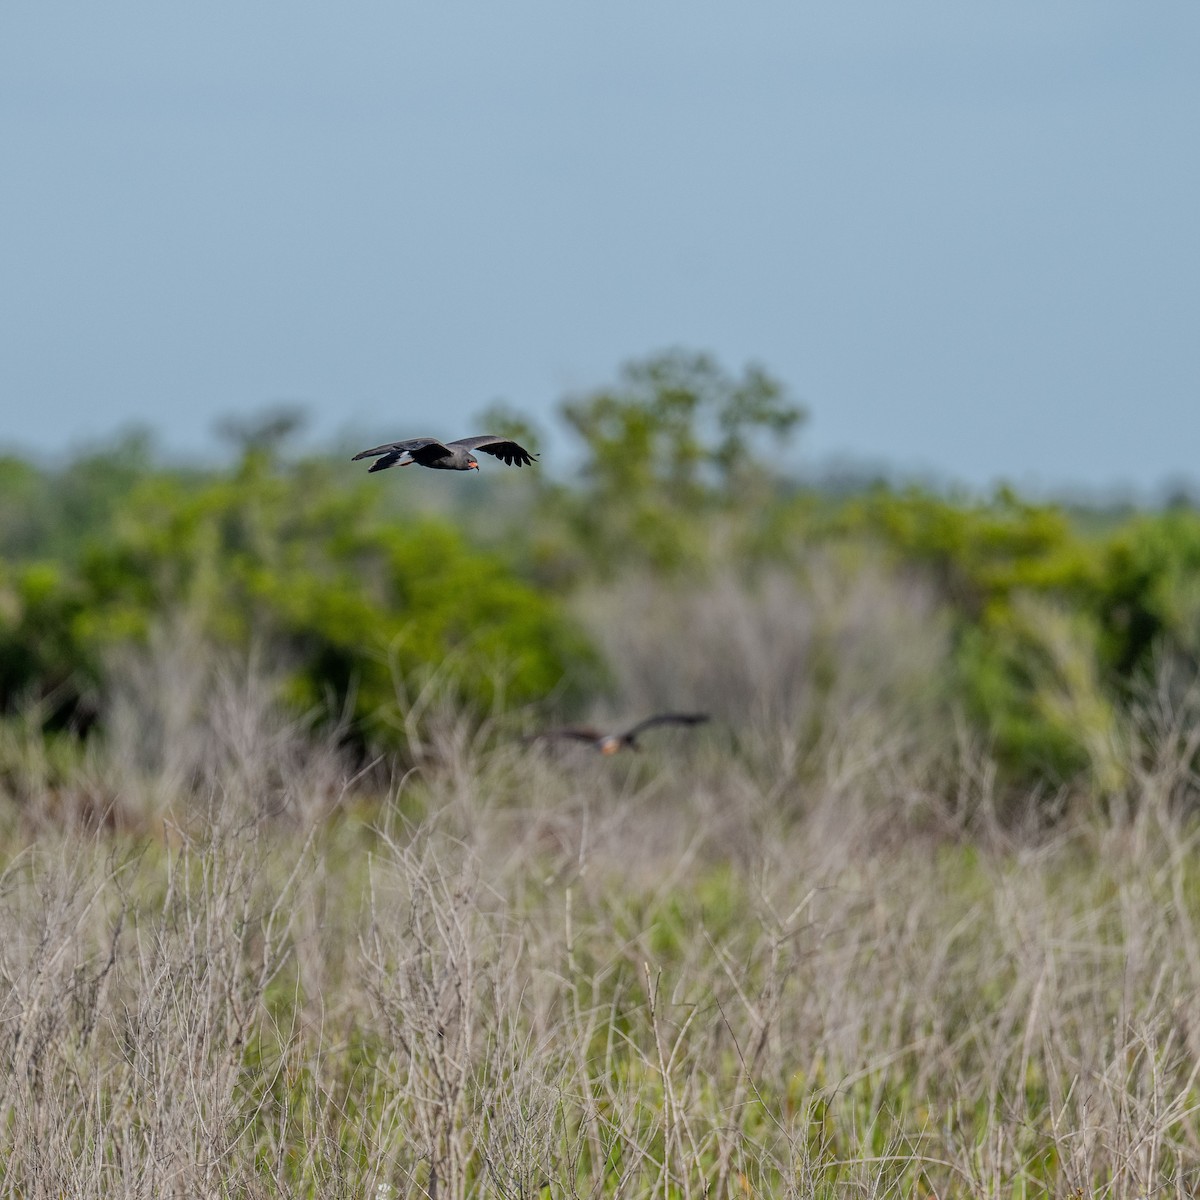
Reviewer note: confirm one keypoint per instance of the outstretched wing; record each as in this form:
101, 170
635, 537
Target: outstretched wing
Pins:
418, 450
507, 452
666, 719
578, 733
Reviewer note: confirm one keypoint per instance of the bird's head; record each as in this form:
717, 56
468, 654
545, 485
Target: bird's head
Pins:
610, 745
472, 464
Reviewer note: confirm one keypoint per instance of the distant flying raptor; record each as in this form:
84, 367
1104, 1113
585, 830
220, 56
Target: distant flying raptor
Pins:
610, 743
446, 456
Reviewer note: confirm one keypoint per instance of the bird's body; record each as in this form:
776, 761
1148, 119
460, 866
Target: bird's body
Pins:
612, 743
446, 456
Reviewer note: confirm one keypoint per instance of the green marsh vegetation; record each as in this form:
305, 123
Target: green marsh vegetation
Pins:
290, 910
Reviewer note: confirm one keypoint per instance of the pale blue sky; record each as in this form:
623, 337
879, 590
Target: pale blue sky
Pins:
966, 236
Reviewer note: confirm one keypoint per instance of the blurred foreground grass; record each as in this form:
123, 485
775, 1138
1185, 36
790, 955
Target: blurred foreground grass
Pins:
518, 975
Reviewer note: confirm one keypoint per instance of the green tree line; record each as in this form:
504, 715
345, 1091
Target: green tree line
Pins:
1060, 619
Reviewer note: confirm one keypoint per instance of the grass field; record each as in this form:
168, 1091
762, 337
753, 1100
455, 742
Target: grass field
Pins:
810, 953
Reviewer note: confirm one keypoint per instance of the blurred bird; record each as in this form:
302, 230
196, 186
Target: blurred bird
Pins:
446, 456
610, 743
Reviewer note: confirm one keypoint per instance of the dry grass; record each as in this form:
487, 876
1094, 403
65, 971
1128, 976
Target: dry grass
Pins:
753, 965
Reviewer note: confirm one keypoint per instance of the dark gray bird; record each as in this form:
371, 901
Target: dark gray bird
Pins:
610, 743
446, 456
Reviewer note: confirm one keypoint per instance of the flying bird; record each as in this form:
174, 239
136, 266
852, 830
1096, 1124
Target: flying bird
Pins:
611, 743
446, 456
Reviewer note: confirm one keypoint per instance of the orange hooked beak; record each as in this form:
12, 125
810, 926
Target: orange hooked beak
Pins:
472, 465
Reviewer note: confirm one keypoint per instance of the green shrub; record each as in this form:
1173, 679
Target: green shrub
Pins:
1055, 628
356, 608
